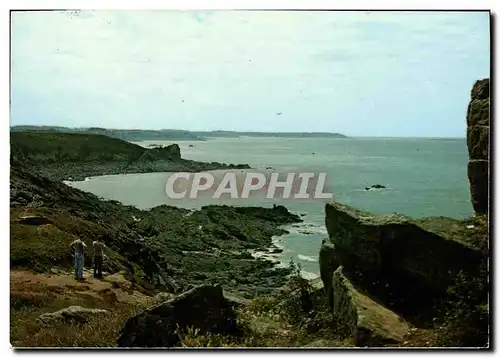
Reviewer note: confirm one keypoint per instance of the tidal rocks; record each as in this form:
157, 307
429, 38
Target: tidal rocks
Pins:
204, 308
478, 122
370, 323
433, 250
72, 314
375, 186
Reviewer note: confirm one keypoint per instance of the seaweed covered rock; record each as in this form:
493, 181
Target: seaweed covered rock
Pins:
202, 308
478, 124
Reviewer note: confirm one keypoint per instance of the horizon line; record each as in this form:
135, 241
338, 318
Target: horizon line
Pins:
234, 131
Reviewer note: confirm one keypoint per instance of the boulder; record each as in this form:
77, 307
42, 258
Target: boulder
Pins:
203, 307
34, 220
76, 314
478, 128
370, 323
162, 297
432, 250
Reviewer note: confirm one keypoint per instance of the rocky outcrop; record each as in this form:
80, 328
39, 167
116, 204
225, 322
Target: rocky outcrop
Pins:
433, 250
328, 262
72, 314
478, 124
370, 323
202, 308
391, 263
34, 220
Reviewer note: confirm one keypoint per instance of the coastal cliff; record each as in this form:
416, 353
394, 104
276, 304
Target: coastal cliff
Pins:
478, 130
75, 156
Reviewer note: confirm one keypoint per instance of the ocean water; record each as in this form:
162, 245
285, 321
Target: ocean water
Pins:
423, 176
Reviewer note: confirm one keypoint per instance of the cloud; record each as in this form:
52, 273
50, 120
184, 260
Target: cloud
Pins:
135, 68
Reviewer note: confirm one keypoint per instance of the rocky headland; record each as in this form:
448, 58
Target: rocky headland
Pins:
75, 156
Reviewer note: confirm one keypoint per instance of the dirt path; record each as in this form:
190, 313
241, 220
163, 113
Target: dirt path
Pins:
111, 288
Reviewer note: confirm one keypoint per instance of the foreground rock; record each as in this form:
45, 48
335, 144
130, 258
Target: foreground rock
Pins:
431, 250
72, 314
202, 308
478, 124
370, 323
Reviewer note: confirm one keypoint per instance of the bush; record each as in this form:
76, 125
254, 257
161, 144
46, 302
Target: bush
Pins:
467, 316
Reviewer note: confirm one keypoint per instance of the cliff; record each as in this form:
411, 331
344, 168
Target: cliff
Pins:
478, 130
75, 156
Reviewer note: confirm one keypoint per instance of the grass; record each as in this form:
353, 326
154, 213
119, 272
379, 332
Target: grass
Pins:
27, 331
71, 147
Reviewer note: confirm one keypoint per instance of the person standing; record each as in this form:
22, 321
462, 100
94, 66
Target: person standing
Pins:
99, 247
79, 247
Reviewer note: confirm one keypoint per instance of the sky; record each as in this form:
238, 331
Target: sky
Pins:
360, 73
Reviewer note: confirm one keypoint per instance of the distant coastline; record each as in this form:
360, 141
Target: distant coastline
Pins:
138, 135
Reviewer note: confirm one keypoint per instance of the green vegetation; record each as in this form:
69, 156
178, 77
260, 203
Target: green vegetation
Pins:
123, 134
61, 156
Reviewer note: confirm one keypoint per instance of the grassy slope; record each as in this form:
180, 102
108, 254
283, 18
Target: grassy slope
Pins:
62, 156
56, 147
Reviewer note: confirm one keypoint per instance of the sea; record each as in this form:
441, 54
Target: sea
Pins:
423, 177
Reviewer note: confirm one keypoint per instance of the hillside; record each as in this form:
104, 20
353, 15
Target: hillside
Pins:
136, 135
74, 156
133, 135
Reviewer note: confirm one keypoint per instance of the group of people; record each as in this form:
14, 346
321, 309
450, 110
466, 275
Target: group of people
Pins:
98, 257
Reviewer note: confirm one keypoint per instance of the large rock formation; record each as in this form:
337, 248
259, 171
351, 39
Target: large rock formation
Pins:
369, 322
478, 123
204, 308
391, 262
432, 250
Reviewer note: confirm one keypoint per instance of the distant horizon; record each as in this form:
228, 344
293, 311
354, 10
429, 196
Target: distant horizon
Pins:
234, 131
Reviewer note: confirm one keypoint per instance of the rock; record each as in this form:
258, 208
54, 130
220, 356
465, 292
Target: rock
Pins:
477, 171
328, 263
370, 323
236, 301
71, 314
162, 297
478, 121
376, 186
191, 146
203, 308
34, 220
432, 250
